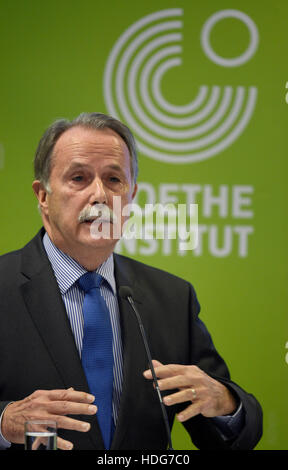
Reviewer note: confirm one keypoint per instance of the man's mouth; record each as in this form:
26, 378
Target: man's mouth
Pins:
99, 220
99, 213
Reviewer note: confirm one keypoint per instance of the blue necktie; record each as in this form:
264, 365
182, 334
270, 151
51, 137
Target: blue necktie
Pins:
97, 352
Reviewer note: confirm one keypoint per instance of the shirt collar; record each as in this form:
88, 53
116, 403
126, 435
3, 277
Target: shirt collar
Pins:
67, 271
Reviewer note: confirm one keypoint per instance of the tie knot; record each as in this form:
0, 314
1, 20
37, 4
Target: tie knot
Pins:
89, 281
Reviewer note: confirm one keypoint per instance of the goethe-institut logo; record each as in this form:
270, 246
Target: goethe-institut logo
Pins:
203, 127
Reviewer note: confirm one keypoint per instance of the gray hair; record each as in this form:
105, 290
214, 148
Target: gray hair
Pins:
44, 152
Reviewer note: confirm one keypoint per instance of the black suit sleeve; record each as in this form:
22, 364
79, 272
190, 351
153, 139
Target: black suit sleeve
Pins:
203, 431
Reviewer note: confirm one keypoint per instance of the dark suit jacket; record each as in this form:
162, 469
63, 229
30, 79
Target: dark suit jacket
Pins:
37, 349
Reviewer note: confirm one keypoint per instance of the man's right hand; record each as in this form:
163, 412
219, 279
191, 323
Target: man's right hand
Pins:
48, 404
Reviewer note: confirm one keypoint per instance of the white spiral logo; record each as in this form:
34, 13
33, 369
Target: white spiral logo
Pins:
163, 131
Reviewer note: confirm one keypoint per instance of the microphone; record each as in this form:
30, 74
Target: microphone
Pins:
126, 293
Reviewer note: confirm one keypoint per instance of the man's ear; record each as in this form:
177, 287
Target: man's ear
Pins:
41, 193
134, 190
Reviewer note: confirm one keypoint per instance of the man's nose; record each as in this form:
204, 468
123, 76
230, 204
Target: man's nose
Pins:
98, 195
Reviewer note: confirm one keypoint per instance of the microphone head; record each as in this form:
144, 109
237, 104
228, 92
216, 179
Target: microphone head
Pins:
125, 292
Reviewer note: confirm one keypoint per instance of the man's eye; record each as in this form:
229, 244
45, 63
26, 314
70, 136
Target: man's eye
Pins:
77, 178
114, 179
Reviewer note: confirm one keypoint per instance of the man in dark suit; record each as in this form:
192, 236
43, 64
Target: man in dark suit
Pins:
81, 166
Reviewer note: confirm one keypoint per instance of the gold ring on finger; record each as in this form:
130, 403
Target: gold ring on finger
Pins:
194, 394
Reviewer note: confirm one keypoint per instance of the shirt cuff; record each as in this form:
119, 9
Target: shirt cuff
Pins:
4, 444
230, 426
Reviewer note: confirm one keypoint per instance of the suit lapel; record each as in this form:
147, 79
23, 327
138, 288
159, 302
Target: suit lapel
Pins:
45, 305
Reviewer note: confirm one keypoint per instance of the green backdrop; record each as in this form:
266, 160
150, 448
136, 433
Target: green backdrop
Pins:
203, 86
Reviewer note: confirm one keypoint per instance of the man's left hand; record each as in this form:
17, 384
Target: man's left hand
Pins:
208, 396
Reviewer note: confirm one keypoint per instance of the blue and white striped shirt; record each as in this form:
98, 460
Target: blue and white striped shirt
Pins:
67, 272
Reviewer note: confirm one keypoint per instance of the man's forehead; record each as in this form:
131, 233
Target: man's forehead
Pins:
90, 139
87, 146
84, 142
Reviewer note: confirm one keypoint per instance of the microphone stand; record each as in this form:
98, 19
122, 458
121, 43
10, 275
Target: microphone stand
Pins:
127, 293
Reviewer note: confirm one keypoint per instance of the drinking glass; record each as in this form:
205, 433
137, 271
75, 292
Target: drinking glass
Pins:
40, 435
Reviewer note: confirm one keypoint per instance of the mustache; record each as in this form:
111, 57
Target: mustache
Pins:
99, 212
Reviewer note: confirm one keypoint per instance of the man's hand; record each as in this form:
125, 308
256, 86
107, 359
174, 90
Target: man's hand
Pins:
48, 404
208, 396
